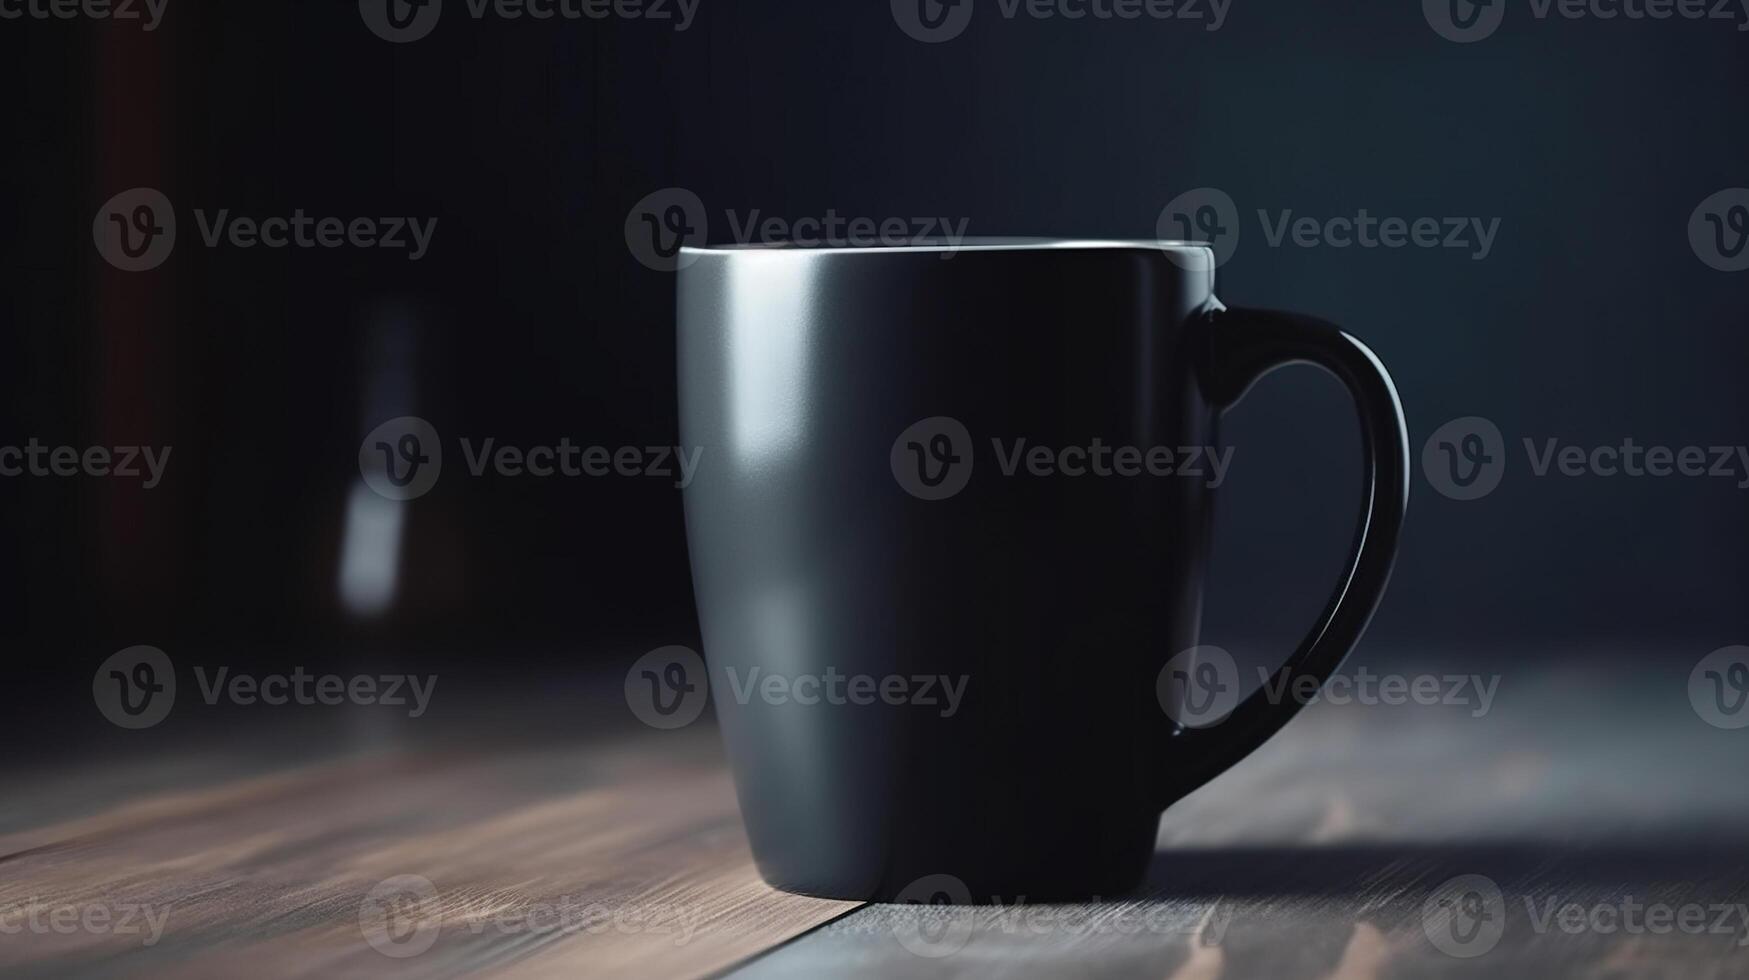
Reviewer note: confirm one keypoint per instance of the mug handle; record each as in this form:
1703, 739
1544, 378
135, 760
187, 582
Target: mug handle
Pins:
1237, 348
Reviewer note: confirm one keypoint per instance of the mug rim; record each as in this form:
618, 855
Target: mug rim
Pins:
1004, 243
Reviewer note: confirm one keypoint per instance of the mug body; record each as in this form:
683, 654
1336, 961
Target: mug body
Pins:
937, 569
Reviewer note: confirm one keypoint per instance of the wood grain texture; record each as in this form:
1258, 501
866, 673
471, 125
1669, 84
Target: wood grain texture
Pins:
615, 854
1319, 856
618, 859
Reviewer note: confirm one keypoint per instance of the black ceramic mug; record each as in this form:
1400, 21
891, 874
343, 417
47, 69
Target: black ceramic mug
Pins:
934, 648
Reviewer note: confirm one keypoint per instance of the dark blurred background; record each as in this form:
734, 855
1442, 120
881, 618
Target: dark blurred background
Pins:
530, 320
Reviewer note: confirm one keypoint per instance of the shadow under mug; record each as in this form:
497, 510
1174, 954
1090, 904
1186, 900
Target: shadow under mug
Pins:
937, 655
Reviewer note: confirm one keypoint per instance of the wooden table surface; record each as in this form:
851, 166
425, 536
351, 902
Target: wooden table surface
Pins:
619, 852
